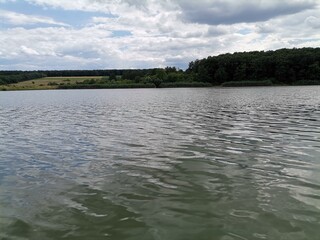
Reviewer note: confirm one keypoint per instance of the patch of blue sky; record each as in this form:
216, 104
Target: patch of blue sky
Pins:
179, 63
73, 18
26, 26
121, 33
7, 62
4, 25
244, 31
262, 36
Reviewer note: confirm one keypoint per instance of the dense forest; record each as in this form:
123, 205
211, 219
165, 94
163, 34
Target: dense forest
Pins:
284, 66
280, 67
8, 77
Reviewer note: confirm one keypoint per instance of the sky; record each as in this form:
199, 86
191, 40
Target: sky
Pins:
129, 34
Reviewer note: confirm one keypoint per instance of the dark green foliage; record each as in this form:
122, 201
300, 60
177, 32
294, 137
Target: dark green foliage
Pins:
106, 86
285, 66
112, 76
176, 77
220, 76
52, 84
170, 69
203, 74
137, 79
241, 72
133, 85
281, 67
185, 84
89, 81
9, 77
313, 71
161, 74
156, 81
307, 82
133, 74
247, 83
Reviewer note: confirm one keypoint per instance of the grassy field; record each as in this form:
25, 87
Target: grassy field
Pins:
46, 83
89, 83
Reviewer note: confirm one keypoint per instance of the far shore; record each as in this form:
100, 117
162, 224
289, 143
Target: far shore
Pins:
45, 85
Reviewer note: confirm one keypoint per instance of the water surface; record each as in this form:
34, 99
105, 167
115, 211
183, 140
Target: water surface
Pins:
228, 164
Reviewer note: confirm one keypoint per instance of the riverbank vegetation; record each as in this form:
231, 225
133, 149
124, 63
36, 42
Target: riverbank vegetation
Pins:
257, 68
247, 83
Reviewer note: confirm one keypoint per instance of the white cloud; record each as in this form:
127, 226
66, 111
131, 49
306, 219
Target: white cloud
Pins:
29, 51
23, 19
161, 34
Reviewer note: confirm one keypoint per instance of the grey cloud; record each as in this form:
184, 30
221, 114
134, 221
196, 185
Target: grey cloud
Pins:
314, 22
179, 62
303, 41
214, 31
163, 33
231, 12
265, 28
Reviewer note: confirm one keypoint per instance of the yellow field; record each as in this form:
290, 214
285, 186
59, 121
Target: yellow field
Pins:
46, 83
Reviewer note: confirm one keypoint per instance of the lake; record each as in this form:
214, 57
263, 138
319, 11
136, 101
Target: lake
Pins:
209, 163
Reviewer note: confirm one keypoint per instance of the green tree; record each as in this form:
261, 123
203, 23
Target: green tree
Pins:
281, 73
161, 74
203, 74
157, 82
313, 72
112, 76
240, 73
292, 76
221, 75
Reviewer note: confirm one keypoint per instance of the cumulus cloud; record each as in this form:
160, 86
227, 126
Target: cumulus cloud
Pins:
23, 19
162, 33
29, 51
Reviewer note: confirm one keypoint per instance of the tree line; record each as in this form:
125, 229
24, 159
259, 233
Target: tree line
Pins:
284, 66
18, 76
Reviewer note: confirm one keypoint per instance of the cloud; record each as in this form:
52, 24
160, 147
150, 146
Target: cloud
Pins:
14, 18
212, 12
151, 33
313, 21
214, 31
29, 51
217, 12
79, 5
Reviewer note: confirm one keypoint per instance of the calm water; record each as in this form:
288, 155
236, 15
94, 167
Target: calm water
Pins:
226, 164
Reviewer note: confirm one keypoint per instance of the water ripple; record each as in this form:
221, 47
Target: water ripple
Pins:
224, 164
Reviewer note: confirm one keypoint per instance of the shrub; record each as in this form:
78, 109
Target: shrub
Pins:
307, 82
52, 84
247, 83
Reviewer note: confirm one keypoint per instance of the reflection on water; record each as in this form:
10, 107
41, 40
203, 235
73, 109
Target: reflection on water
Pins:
239, 163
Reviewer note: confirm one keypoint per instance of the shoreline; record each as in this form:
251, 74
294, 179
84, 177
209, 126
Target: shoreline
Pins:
146, 87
